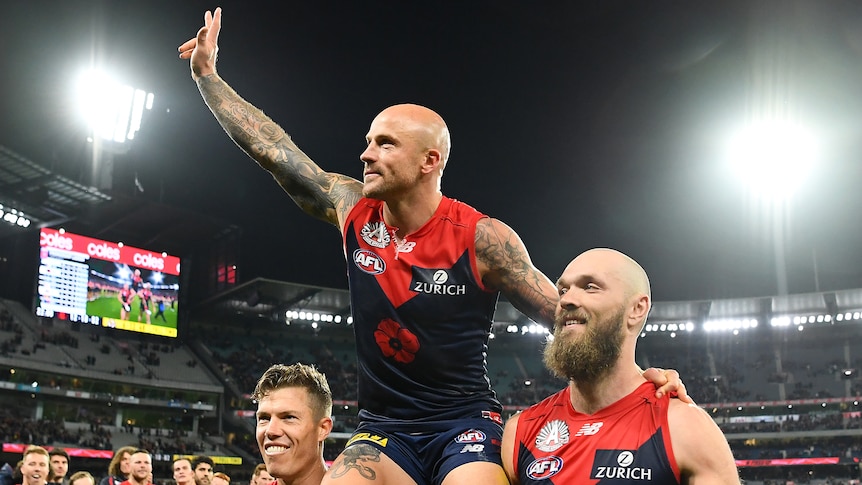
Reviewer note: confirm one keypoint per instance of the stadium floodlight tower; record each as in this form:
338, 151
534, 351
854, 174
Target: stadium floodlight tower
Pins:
113, 112
774, 157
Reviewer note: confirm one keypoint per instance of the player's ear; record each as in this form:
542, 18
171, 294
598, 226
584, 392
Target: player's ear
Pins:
324, 428
639, 310
433, 159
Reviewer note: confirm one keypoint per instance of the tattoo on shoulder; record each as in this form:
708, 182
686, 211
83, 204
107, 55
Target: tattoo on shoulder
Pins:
498, 249
357, 457
512, 272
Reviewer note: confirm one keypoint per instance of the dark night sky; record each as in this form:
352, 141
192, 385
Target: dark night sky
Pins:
580, 124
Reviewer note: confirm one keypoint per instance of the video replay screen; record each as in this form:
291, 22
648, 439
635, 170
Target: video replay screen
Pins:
107, 284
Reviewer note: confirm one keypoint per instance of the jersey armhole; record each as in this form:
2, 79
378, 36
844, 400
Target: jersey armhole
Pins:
348, 221
665, 433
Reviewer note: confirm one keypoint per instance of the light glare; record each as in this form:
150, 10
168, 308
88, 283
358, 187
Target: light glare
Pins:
773, 157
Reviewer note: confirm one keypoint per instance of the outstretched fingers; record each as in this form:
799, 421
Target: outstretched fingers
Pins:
213, 23
207, 36
187, 47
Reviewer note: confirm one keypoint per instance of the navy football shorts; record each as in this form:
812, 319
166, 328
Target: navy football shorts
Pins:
428, 451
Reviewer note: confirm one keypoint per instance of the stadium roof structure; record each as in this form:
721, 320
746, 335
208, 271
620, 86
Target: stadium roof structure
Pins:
39, 195
269, 300
48, 199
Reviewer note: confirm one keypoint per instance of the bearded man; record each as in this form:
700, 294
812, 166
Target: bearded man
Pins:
608, 425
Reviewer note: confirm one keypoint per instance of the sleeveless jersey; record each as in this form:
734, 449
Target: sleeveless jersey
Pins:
421, 316
627, 442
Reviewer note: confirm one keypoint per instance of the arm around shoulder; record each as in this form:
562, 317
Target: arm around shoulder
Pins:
701, 451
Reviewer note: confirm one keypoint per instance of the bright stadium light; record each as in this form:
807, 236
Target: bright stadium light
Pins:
113, 111
773, 157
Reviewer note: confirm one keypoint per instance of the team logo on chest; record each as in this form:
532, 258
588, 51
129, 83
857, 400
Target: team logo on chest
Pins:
368, 261
544, 468
375, 234
553, 436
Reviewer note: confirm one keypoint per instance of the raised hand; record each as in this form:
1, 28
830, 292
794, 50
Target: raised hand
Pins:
203, 48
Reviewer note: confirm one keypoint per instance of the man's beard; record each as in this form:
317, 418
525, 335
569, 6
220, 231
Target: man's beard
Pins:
585, 358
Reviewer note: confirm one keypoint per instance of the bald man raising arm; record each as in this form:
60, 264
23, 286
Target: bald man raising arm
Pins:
425, 272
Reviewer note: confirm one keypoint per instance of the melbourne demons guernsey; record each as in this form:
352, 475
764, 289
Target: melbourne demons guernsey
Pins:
627, 442
421, 316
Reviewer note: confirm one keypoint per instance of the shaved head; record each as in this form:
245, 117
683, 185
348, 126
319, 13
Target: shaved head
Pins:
621, 273
425, 124
625, 269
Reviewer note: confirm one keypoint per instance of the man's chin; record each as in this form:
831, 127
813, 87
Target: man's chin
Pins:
371, 194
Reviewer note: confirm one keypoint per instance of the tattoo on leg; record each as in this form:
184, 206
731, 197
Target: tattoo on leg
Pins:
356, 457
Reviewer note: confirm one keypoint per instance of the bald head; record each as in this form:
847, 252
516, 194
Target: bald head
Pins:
617, 274
625, 270
425, 124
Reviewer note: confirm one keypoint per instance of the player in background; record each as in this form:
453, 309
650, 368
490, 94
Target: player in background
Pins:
126, 296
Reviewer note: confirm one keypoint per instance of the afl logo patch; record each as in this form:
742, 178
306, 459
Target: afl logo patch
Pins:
368, 261
375, 234
472, 436
544, 468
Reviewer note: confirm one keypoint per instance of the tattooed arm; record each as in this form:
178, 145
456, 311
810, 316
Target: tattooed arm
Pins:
327, 196
504, 265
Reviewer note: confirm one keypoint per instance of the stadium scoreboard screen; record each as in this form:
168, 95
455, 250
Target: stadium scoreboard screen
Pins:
107, 284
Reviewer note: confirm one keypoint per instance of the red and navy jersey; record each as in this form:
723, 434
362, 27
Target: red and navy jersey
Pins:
137, 282
421, 315
627, 442
127, 295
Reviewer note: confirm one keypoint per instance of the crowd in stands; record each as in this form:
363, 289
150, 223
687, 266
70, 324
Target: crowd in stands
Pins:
18, 429
708, 381
62, 337
244, 362
171, 442
243, 357
801, 422
842, 446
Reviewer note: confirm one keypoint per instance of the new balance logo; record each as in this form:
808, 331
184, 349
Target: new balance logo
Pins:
589, 429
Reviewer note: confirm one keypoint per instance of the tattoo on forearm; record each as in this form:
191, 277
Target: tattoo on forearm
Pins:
321, 194
357, 457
